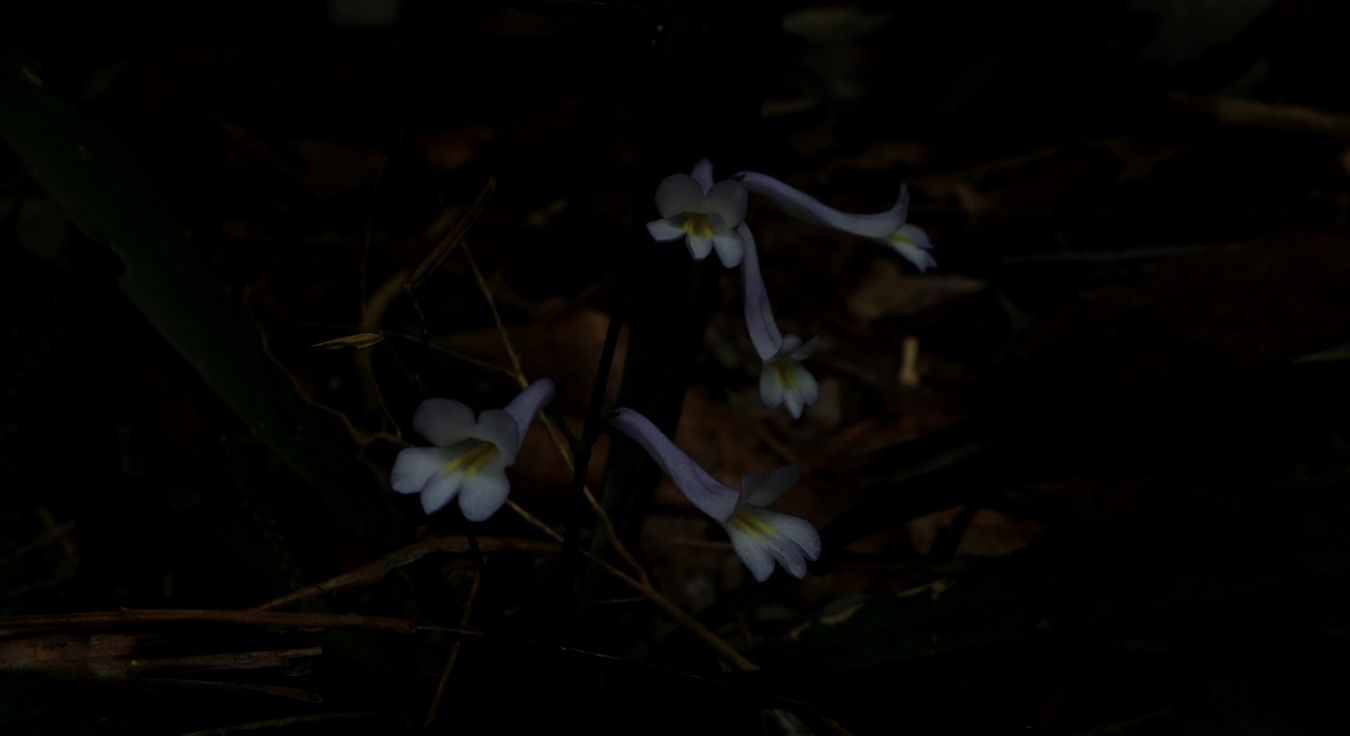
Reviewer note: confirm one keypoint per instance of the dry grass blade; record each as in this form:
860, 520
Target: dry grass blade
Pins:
19, 625
359, 341
641, 583
373, 572
464, 617
282, 723
452, 238
554, 433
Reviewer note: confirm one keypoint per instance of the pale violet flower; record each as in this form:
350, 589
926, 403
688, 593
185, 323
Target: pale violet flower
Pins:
703, 213
759, 535
912, 243
782, 380
887, 227
470, 455
785, 381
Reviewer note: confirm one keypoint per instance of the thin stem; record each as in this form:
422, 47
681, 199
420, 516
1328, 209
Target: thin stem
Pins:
455, 646
261, 619
554, 433
373, 572
642, 583
421, 316
511, 353
645, 587
457, 355
590, 432
556, 417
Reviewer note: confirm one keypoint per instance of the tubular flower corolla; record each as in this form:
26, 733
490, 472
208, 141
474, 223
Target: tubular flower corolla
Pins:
887, 227
703, 213
469, 456
759, 535
782, 379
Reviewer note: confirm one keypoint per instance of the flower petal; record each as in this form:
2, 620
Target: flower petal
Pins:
680, 193
439, 490
803, 206
759, 321
500, 428
703, 174
664, 231
415, 466
699, 247
483, 494
529, 402
702, 490
730, 249
754, 523
789, 556
801, 351
726, 203
761, 491
752, 551
913, 244
799, 531
807, 387
792, 401
770, 387
443, 421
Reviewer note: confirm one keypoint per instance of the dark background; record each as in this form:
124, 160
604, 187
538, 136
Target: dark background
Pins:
1106, 494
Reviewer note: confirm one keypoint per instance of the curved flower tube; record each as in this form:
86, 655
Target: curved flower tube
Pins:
887, 227
704, 214
783, 379
469, 456
759, 321
710, 496
759, 535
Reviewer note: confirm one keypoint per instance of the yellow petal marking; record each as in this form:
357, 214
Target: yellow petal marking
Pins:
753, 526
786, 376
473, 461
697, 224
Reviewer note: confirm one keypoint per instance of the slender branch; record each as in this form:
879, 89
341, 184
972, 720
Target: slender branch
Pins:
453, 238
372, 313
645, 587
290, 693
452, 353
642, 583
1261, 115
283, 722
373, 572
555, 434
28, 625
51, 535
229, 661
517, 370
13, 625
421, 315
590, 432
454, 648
556, 417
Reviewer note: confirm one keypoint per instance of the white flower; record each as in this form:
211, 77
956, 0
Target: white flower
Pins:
885, 227
785, 381
782, 379
762, 536
470, 456
912, 243
759, 535
703, 213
